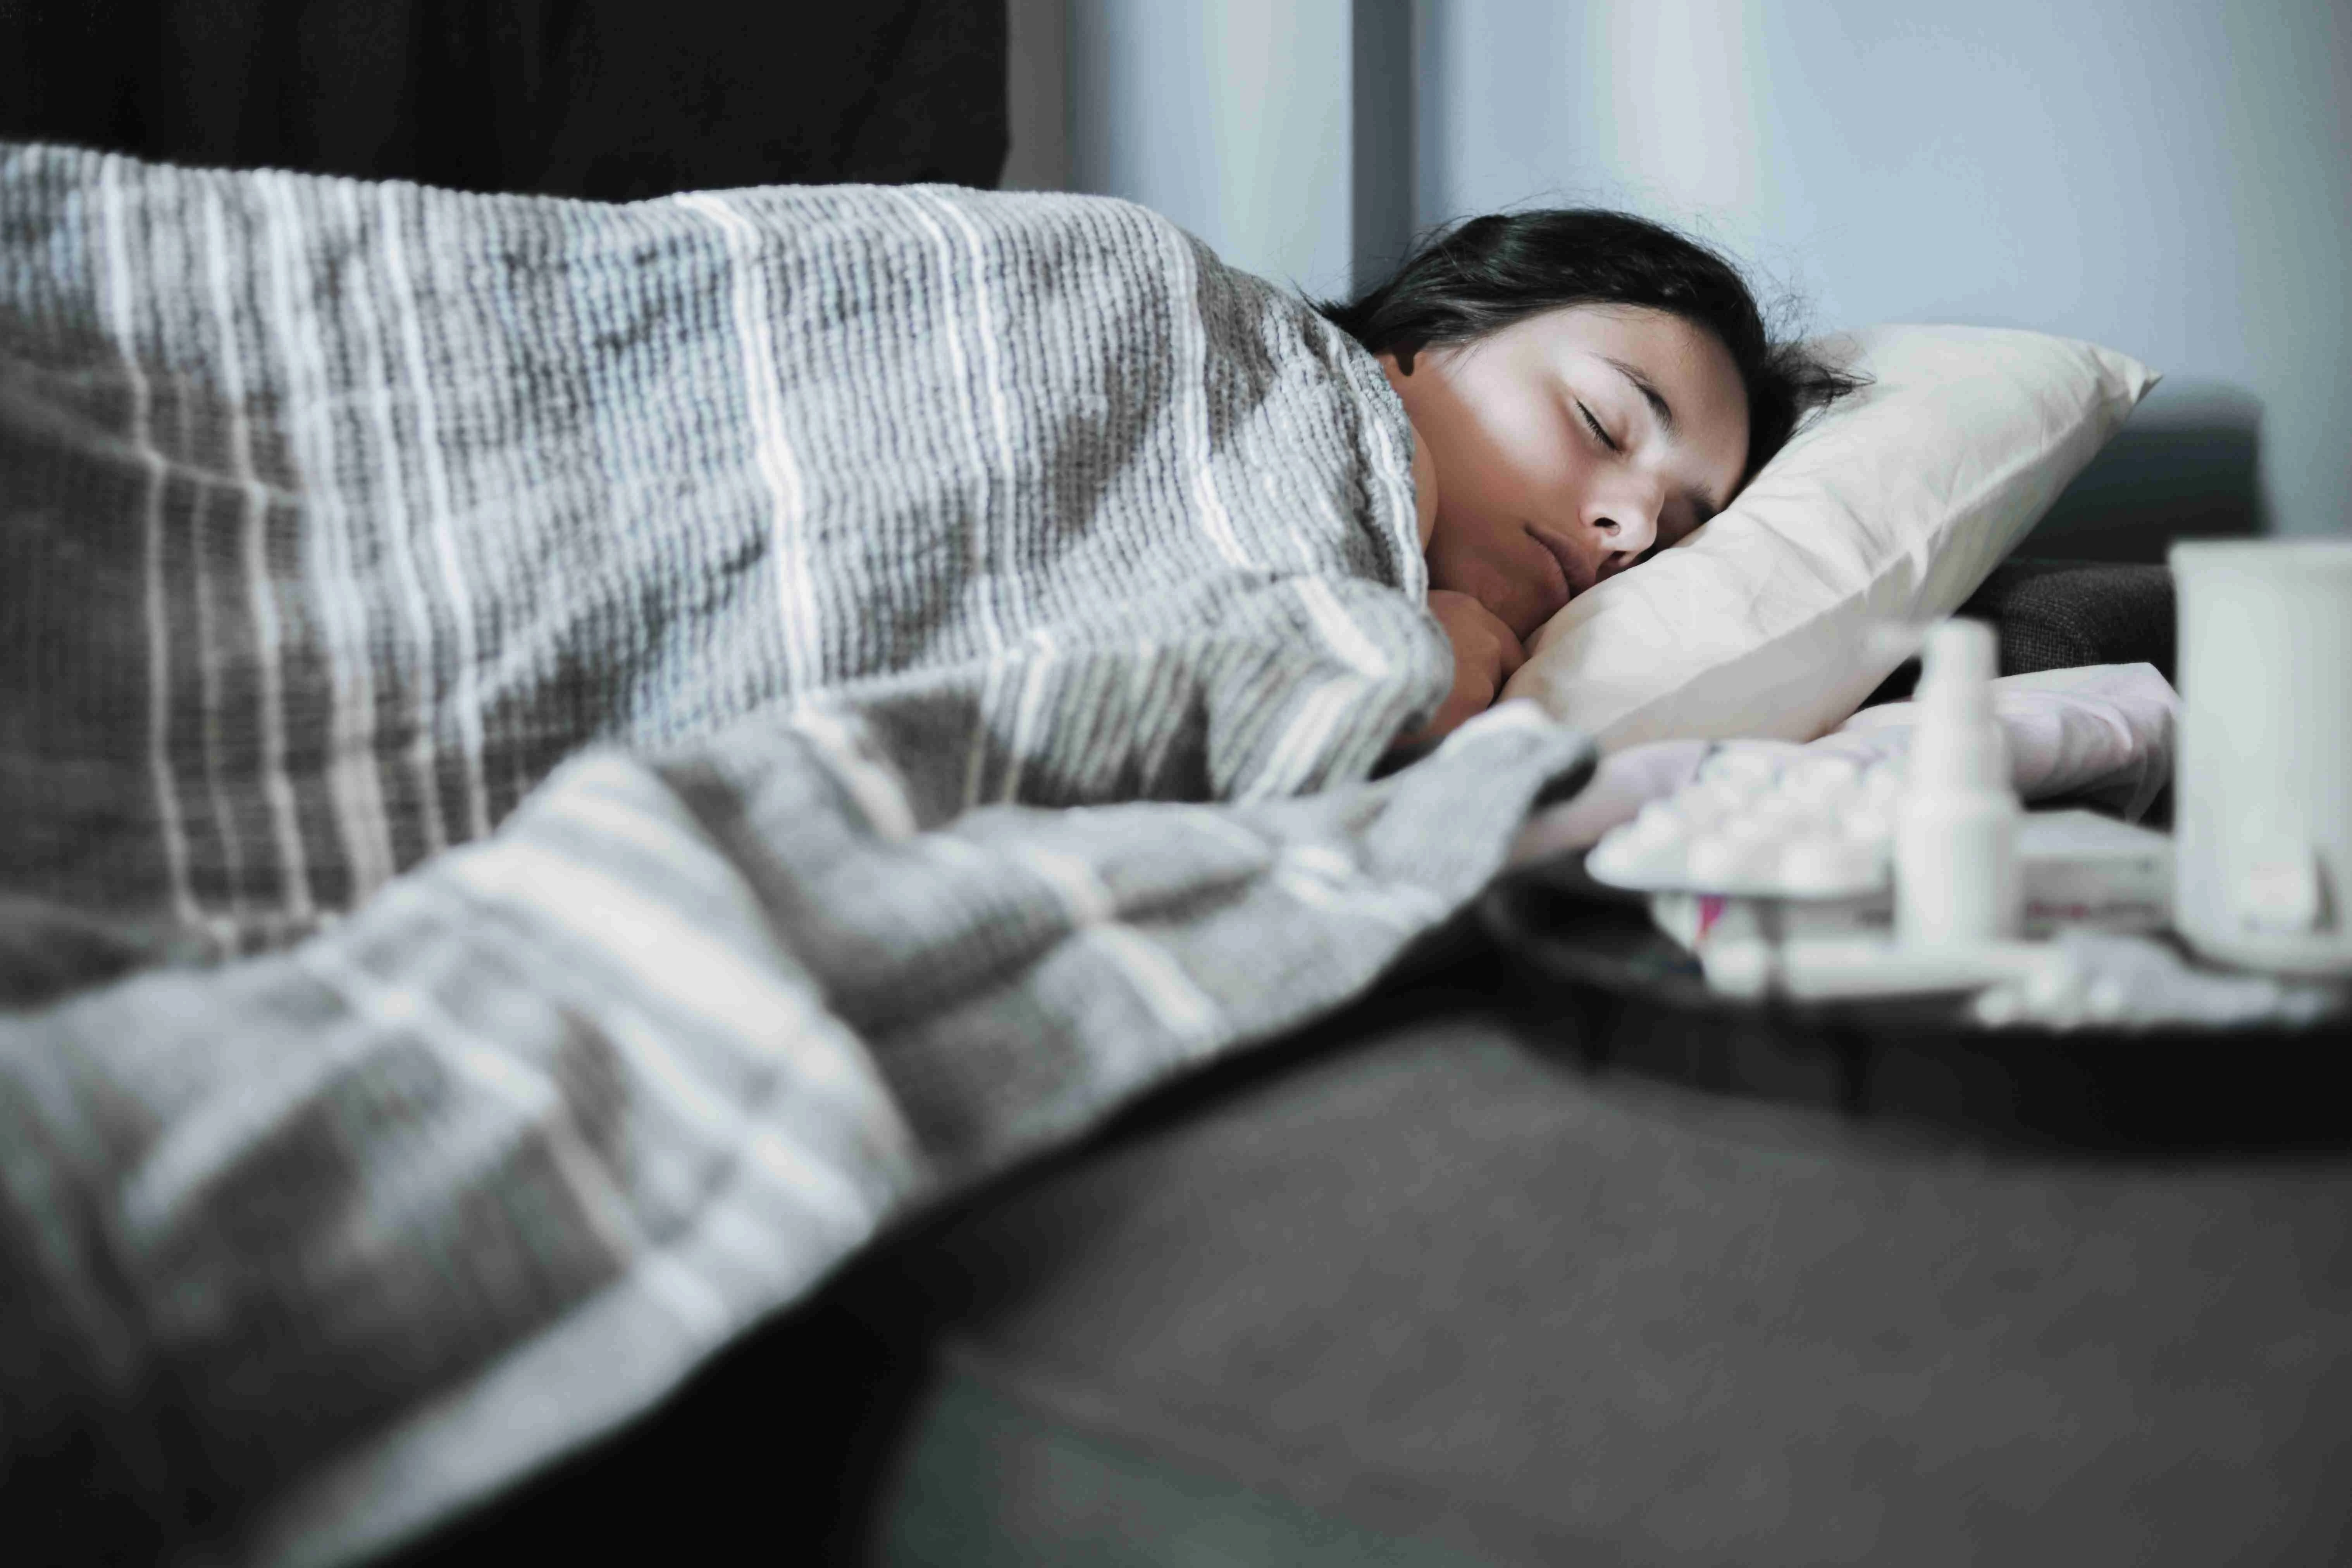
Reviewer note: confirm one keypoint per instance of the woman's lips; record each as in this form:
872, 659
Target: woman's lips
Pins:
1574, 576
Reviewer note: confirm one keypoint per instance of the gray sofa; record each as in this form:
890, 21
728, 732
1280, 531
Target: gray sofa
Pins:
1433, 1282
2057, 615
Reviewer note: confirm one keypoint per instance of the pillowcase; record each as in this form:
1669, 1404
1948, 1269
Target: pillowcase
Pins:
1891, 505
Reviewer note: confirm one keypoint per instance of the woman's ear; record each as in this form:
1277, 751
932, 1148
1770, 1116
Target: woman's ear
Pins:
1424, 488
1396, 370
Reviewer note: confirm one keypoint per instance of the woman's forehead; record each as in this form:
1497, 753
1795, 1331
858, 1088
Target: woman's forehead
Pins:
1674, 342
1679, 367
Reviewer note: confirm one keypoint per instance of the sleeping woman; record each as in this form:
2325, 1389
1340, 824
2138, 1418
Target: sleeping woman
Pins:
739, 577
1585, 388
341, 514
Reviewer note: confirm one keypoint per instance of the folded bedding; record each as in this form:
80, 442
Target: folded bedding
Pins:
2098, 734
339, 514
563, 767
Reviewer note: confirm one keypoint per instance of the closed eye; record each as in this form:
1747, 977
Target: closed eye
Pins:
1595, 426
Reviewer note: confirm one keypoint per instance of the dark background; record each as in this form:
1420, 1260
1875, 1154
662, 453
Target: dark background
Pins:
613, 99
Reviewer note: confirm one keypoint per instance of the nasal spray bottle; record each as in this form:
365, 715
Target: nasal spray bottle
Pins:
1956, 872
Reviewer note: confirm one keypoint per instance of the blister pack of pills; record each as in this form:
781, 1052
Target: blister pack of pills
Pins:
1762, 819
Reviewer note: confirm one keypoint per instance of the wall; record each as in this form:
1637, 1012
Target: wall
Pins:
2168, 177
1037, 96
1231, 116
1282, 131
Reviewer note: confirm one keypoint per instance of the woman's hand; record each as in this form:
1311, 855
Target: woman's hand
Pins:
1485, 655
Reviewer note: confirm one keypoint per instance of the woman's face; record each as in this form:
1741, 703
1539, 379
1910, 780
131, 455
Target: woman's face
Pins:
1567, 446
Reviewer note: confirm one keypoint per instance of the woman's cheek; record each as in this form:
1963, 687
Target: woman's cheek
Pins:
1475, 558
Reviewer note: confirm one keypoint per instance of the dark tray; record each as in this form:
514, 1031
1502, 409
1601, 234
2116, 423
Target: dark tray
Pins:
1591, 973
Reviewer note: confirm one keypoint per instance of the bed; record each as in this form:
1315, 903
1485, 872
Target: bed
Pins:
1313, 1302
1428, 1282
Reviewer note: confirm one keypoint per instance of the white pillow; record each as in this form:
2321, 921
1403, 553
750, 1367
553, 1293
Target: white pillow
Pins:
1893, 504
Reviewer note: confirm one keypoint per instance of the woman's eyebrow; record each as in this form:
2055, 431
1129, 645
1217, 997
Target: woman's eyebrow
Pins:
1702, 507
1647, 388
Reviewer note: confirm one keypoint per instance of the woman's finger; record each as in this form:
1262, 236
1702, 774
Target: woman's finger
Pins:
1513, 654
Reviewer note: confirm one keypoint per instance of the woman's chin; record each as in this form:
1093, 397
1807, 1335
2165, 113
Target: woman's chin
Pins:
1524, 619
1508, 594
1527, 614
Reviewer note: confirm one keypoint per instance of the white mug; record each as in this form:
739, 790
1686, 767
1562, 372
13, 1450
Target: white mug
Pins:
2263, 779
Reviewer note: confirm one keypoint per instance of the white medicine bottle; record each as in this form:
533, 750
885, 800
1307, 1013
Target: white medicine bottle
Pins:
1956, 872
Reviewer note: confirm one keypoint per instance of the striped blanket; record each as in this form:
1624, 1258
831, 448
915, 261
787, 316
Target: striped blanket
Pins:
563, 767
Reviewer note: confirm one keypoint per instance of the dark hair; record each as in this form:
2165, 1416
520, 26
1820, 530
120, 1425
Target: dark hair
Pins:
1482, 276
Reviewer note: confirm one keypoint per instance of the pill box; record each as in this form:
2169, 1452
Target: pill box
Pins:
2080, 870
1762, 820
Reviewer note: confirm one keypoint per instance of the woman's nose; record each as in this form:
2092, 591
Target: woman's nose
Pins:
1628, 523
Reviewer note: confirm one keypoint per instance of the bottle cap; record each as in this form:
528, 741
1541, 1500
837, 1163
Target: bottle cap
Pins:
1958, 745
1958, 663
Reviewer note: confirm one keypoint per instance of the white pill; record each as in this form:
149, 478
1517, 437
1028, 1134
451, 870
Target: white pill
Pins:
1720, 860
1868, 826
1818, 864
1741, 765
1817, 778
1715, 800
1658, 822
1624, 857
1686, 809
2054, 989
2106, 999
1999, 1007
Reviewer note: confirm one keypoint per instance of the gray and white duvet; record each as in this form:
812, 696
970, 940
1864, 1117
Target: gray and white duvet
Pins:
564, 767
